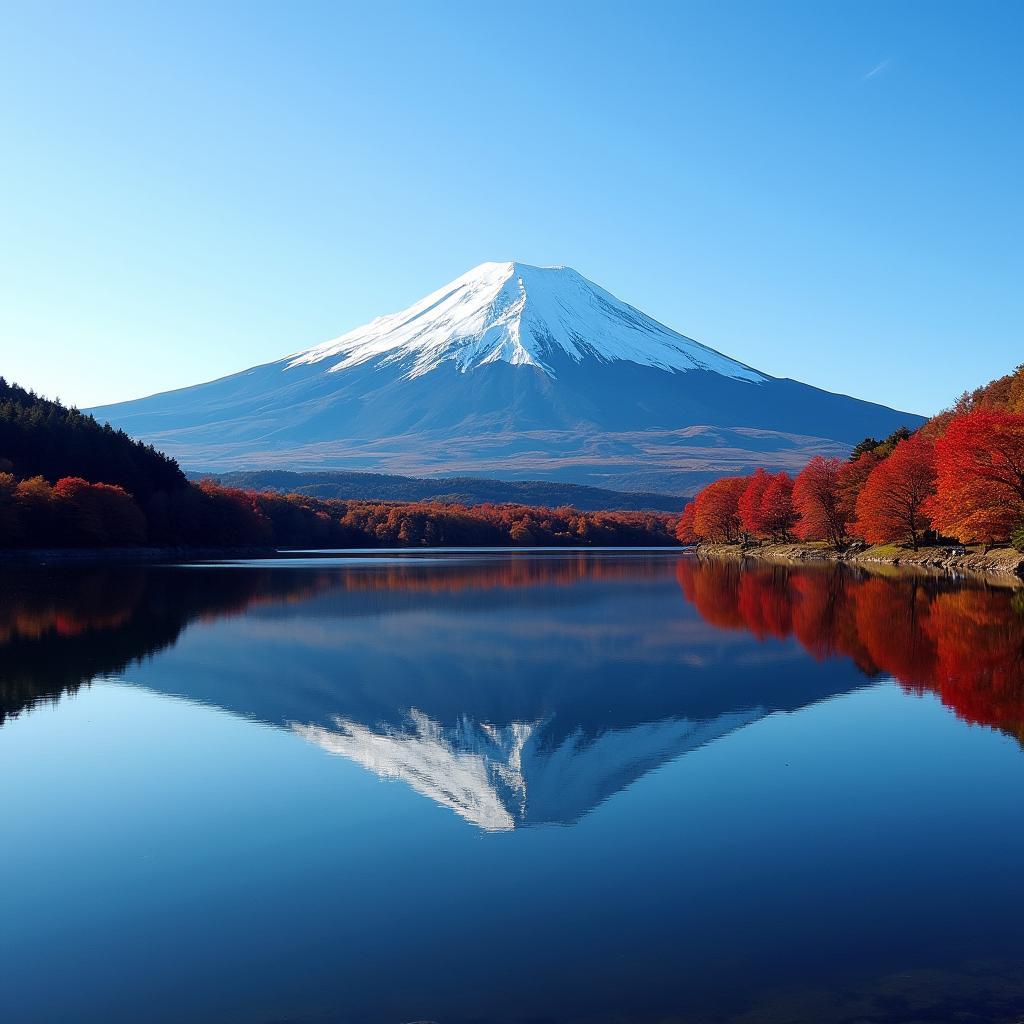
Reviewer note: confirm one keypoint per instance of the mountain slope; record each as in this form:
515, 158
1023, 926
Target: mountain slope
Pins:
509, 371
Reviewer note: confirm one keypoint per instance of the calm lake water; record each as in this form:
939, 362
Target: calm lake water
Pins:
510, 787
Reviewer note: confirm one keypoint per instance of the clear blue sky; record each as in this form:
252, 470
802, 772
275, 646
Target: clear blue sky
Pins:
829, 191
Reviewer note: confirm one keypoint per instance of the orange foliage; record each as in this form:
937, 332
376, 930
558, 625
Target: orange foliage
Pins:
778, 516
980, 477
853, 475
816, 501
686, 532
891, 504
749, 506
716, 512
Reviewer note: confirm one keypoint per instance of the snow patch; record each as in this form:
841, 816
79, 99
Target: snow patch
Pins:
521, 315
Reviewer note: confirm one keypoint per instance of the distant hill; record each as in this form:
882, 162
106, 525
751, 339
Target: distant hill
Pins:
39, 437
462, 490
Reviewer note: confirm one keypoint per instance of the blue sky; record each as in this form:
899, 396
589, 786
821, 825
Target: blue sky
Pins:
828, 191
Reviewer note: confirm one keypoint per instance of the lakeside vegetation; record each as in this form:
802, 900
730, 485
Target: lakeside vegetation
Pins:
959, 478
68, 482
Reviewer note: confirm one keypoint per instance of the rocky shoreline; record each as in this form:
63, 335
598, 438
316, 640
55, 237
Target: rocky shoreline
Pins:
1004, 561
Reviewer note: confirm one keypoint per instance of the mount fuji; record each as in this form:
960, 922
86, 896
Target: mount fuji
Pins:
515, 372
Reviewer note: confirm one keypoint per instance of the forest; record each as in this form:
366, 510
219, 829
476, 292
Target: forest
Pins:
67, 481
959, 478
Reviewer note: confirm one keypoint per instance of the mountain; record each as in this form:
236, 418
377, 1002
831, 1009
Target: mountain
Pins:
511, 371
464, 490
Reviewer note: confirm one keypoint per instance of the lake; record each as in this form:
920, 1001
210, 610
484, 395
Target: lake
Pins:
509, 786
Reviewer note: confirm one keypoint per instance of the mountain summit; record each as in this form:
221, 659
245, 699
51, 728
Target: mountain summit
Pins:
522, 315
512, 371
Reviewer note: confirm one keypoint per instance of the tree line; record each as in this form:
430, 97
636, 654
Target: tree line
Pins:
961, 477
73, 512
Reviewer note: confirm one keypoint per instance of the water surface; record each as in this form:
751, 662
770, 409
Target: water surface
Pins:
466, 786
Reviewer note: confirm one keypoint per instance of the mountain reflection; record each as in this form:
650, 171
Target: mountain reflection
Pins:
501, 777
511, 689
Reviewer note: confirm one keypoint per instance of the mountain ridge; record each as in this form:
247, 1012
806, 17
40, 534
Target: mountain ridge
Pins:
453, 489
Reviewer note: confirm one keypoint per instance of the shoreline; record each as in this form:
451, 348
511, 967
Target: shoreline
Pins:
149, 556
1004, 562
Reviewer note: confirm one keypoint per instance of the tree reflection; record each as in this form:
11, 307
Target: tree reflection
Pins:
962, 640
62, 627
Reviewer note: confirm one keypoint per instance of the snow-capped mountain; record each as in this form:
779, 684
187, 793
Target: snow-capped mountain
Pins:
524, 316
512, 371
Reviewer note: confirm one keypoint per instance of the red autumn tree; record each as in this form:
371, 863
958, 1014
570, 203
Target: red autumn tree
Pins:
778, 516
816, 501
716, 511
853, 475
891, 503
980, 477
749, 506
685, 532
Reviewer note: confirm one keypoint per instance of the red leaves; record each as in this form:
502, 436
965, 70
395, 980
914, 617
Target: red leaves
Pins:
890, 506
980, 477
716, 512
766, 506
816, 499
749, 505
778, 516
685, 531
